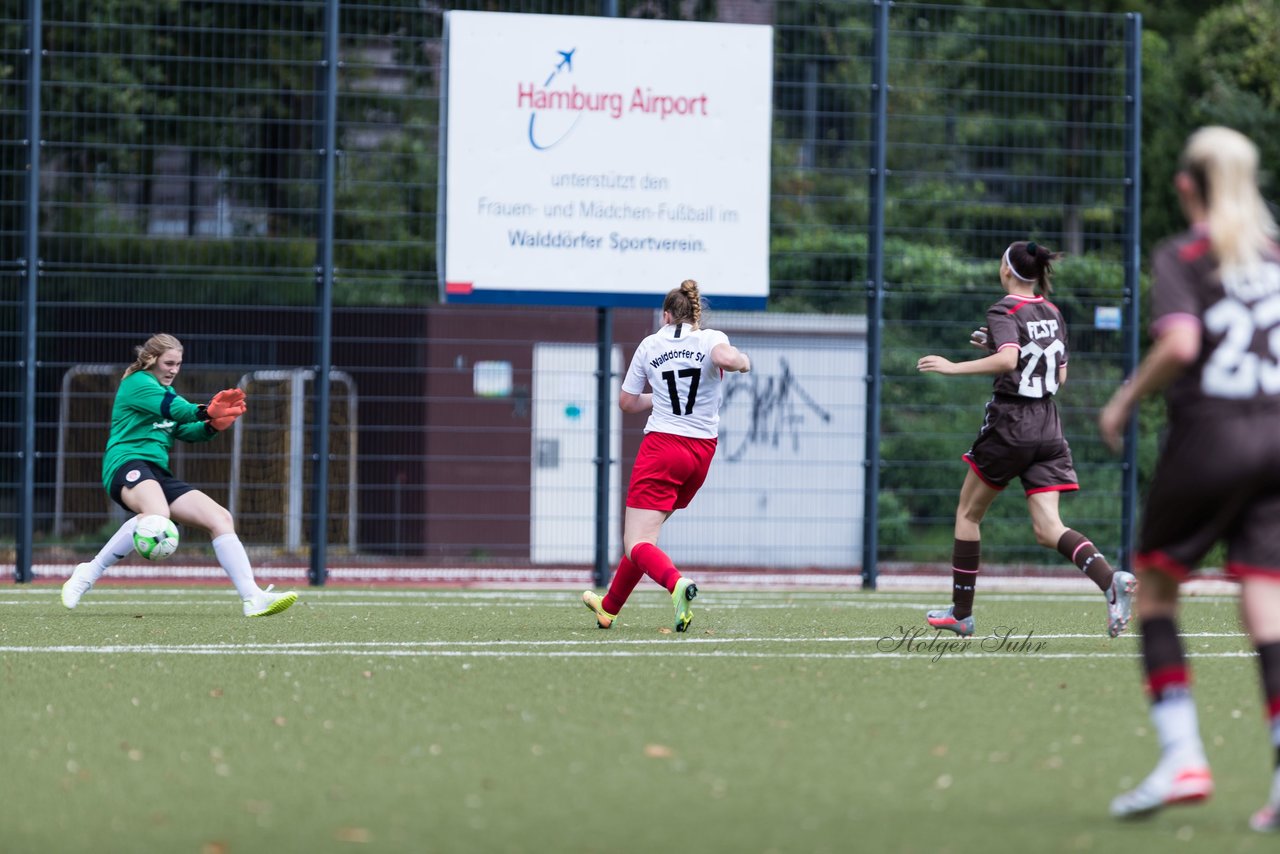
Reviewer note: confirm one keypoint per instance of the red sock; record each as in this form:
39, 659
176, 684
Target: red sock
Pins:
624, 581
654, 562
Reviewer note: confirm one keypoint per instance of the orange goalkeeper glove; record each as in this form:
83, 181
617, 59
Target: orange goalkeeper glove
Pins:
224, 422
228, 402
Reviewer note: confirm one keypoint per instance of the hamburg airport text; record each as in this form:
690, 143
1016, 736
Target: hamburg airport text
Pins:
611, 103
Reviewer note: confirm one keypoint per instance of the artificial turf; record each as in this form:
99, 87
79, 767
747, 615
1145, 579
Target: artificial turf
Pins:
473, 721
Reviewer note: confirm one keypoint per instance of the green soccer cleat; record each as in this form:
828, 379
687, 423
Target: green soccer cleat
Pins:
593, 601
267, 603
682, 596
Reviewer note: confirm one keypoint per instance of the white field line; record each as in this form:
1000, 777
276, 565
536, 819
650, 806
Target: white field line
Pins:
561, 595
852, 655
716, 608
487, 598
566, 578
933, 648
924, 637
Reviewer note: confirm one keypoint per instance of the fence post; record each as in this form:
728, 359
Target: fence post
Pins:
319, 571
875, 291
31, 261
604, 385
1132, 269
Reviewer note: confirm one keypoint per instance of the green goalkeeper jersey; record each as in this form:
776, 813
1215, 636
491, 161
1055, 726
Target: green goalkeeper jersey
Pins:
146, 418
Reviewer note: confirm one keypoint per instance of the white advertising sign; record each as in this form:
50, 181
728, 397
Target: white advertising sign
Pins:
602, 161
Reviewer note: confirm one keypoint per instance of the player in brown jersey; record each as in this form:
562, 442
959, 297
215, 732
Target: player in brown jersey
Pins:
1216, 353
1021, 436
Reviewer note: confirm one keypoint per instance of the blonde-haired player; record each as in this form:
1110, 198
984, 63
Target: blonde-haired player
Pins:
148, 415
1216, 325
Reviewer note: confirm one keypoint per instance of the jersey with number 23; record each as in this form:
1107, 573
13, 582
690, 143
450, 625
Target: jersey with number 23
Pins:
676, 364
1238, 310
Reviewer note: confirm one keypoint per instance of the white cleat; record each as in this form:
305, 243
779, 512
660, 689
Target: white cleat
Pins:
1171, 783
1267, 819
945, 618
77, 585
1120, 601
267, 603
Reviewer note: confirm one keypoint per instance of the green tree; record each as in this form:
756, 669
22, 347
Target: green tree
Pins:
1165, 125
98, 102
1239, 70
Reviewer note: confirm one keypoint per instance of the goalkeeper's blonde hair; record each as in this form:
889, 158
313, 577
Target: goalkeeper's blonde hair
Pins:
155, 347
1224, 165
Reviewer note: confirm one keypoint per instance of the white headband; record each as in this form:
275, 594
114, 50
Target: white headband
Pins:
1009, 264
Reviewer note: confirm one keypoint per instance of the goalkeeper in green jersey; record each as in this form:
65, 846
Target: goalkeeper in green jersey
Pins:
146, 418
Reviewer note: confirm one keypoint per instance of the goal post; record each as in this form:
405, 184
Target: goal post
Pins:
271, 454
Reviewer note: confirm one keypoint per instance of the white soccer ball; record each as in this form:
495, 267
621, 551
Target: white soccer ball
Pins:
155, 538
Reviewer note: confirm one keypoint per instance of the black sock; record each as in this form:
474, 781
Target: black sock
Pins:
1269, 665
964, 576
1075, 547
1163, 660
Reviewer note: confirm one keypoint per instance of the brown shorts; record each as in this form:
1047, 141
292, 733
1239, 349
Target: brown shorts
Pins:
669, 471
1217, 479
1023, 439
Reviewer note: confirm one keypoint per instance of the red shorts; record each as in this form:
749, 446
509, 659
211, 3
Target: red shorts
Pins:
669, 470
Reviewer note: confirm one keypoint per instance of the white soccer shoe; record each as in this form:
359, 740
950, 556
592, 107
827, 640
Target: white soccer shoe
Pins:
1120, 601
1173, 782
267, 603
77, 585
1267, 819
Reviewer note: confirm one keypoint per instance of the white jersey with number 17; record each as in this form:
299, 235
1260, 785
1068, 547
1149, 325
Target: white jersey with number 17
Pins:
676, 363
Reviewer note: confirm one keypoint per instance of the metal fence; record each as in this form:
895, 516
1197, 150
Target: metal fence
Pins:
259, 178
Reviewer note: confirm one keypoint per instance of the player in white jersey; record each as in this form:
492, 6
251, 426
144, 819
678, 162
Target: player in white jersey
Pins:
684, 366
